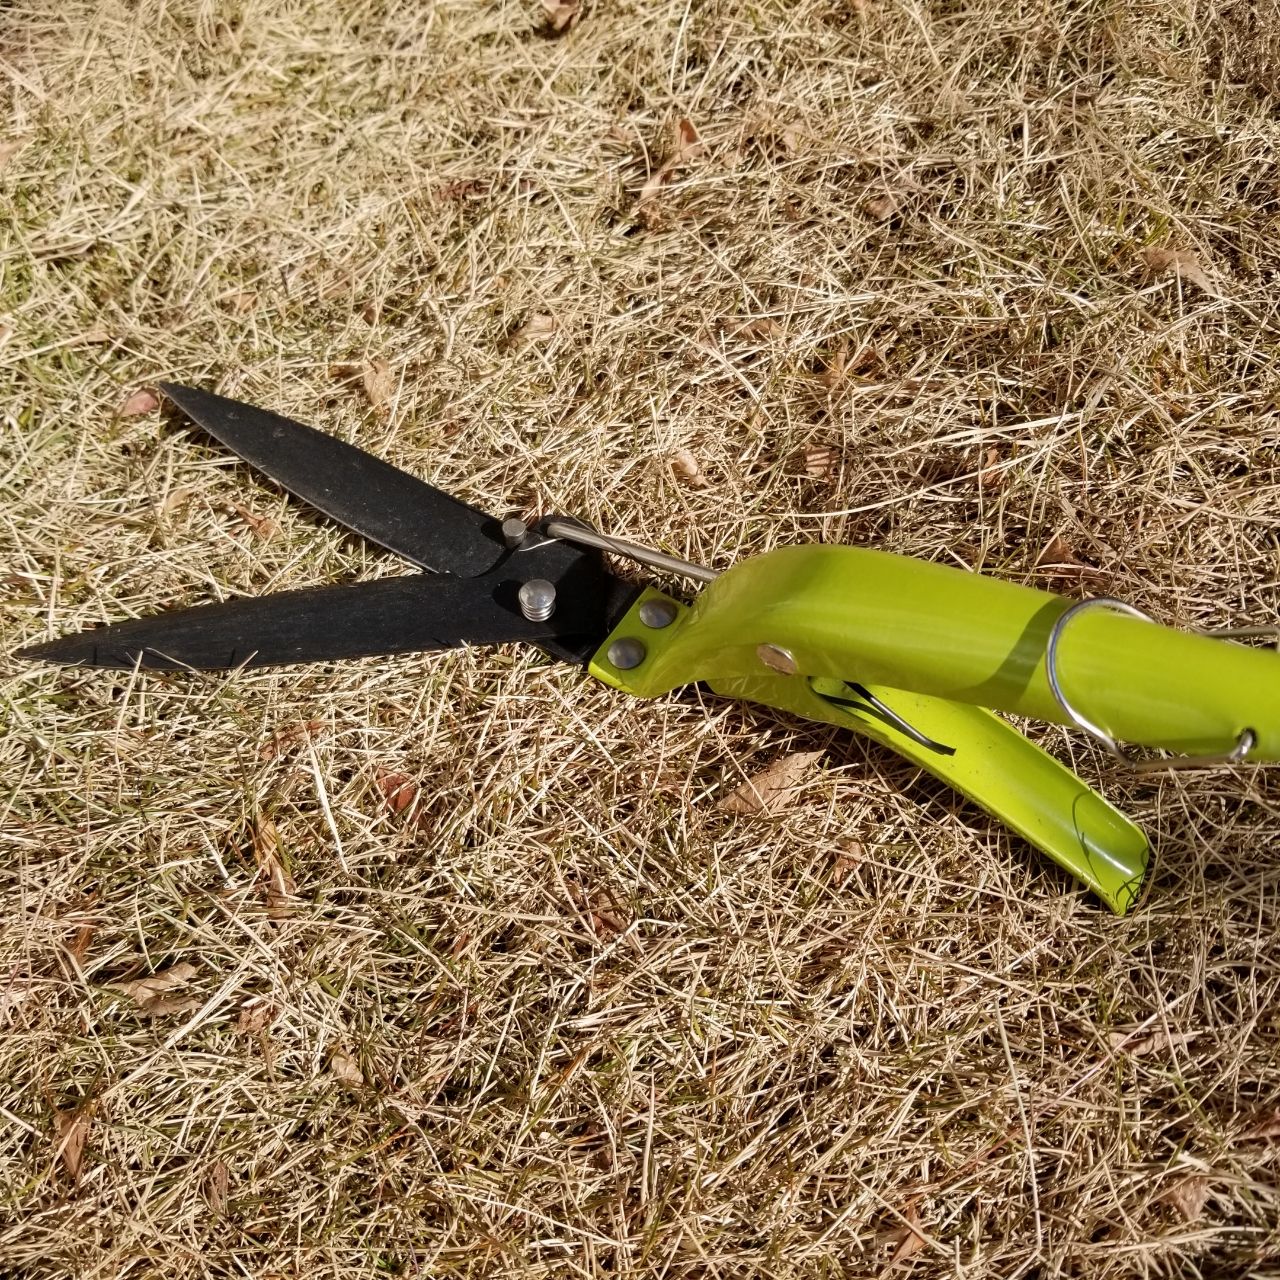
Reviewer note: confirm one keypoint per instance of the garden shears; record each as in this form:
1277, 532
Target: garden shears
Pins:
915, 655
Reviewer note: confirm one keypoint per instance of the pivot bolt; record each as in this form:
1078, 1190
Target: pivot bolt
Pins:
777, 659
514, 532
537, 600
657, 613
626, 653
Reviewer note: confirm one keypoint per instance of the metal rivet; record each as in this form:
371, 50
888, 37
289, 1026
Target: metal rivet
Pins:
514, 532
657, 613
625, 654
538, 600
777, 659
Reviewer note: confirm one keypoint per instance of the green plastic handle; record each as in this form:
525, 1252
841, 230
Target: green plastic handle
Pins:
983, 758
851, 614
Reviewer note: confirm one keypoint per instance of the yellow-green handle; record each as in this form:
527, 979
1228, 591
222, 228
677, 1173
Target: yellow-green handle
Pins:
886, 620
975, 752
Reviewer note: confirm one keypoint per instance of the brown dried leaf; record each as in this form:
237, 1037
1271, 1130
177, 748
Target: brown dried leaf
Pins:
1187, 1197
561, 15
79, 945
262, 527
256, 1016
10, 148
1266, 1125
1183, 263
398, 790
149, 991
72, 1133
144, 400
688, 146
379, 384
881, 207
907, 1239
538, 328
761, 329
344, 1068
1059, 553
818, 460
217, 1185
1151, 1043
685, 465
833, 371
290, 736
777, 786
991, 475
175, 499
167, 1005
268, 853
847, 862
240, 302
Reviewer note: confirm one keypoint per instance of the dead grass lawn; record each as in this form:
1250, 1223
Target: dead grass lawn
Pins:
480, 981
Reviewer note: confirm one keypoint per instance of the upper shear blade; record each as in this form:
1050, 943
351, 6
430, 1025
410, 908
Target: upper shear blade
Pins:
382, 503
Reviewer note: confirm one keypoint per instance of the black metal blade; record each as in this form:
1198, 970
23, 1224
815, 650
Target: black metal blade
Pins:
382, 503
362, 619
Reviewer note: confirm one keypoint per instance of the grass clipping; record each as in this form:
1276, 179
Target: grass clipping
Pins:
462, 965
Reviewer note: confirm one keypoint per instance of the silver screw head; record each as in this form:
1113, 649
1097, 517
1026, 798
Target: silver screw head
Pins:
657, 613
777, 659
626, 653
537, 599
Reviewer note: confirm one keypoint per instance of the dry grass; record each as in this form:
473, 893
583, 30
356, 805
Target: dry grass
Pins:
560, 1015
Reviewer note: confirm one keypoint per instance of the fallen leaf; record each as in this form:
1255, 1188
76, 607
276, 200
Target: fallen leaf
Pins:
538, 328
561, 15
344, 1068
833, 370
379, 385
762, 329
150, 990
217, 1185
241, 302
1151, 1043
1188, 1197
268, 853
166, 1006
10, 148
72, 1131
991, 475
398, 790
847, 862
881, 207
688, 146
685, 465
144, 400
256, 1016
607, 917
174, 499
1059, 553
262, 527
777, 786
79, 945
1183, 263
818, 460
907, 1239
290, 736
1266, 1125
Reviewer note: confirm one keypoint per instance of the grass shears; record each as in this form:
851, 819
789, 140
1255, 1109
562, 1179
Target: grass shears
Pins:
915, 655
